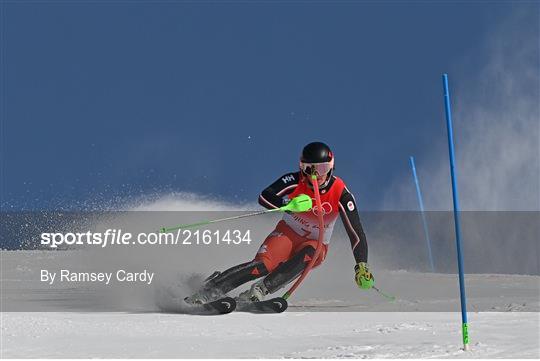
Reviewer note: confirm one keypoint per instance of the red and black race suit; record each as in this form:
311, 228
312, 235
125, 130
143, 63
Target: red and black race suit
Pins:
287, 250
336, 200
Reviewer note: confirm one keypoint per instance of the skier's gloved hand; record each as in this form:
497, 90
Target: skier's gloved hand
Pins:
363, 277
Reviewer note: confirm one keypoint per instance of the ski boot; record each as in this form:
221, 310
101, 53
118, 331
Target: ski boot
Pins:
206, 294
256, 293
198, 298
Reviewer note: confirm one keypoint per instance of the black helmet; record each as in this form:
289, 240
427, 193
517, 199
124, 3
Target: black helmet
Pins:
318, 159
316, 152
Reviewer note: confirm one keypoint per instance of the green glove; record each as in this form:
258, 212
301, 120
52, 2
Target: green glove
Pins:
364, 279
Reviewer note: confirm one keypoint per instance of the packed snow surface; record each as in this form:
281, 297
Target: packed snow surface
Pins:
291, 334
327, 318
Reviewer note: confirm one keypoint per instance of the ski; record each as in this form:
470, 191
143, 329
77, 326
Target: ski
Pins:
218, 307
273, 305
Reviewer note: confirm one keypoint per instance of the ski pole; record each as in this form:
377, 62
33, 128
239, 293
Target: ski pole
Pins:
301, 203
388, 297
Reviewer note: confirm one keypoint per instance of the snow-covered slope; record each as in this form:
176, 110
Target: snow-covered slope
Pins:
351, 329
291, 334
328, 316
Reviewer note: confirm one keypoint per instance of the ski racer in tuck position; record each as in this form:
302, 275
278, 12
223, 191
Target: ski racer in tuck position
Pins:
291, 246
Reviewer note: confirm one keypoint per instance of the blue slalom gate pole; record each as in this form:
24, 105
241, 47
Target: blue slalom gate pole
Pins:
421, 205
455, 198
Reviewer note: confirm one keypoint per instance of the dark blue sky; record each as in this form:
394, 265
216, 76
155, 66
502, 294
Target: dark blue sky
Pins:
117, 99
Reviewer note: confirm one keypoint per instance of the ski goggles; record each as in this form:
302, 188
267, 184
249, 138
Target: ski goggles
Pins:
318, 169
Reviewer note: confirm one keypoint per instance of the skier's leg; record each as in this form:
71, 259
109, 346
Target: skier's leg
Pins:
280, 276
222, 282
288, 271
275, 249
238, 275
283, 274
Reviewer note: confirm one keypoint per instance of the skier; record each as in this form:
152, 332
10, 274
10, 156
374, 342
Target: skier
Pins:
291, 246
